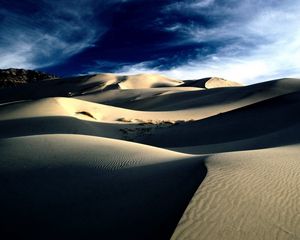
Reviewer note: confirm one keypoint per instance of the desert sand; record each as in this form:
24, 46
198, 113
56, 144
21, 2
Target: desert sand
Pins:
147, 157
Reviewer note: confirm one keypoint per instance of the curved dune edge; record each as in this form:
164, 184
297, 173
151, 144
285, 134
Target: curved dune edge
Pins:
59, 166
140, 81
83, 187
59, 106
246, 195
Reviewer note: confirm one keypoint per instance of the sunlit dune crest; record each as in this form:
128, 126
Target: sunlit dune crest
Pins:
148, 157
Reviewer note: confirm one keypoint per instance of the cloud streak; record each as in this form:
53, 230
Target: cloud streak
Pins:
50, 35
257, 40
247, 41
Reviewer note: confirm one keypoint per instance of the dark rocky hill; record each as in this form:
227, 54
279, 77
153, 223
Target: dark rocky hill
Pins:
13, 77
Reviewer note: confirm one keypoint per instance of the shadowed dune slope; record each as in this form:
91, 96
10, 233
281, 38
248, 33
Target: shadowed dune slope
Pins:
122, 157
95, 112
211, 82
220, 99
77, 187
234, 130
59, 124
260, 119
76, 86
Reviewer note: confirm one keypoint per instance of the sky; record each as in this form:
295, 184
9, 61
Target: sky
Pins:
247, 41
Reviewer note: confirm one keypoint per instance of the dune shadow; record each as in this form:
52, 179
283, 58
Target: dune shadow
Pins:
72, 202
208, 135
272, 116
53, 125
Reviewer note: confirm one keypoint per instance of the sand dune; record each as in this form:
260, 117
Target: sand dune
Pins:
109, 156
147, 81
252, 121
246, 195
204, 104
86, 186
213, 82
211, 101
77, 86
95, 112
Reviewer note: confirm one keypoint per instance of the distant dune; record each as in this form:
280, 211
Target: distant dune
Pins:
147, 157
208, 83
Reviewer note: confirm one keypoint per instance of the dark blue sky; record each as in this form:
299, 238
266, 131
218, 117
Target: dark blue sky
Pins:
243, 40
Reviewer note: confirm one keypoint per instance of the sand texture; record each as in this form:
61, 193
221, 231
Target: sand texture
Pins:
147, 157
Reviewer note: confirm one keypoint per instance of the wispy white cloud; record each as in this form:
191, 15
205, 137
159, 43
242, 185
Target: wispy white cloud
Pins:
247, 41
259, 40
189, 5
48, 36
